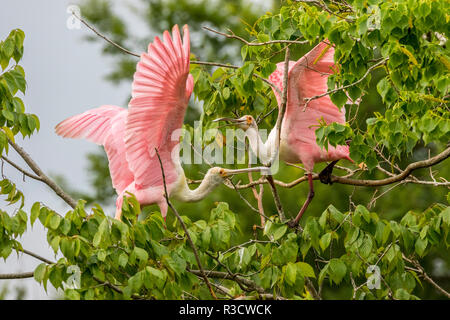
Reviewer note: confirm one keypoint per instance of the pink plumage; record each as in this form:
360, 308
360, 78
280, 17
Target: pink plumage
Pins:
160, 93
307, 77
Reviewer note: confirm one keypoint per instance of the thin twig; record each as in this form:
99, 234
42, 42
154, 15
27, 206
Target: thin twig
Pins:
232, 35
205, 63
427, 278
194, 248
36, 256
308, 100
104, 37
23, 171
278, 126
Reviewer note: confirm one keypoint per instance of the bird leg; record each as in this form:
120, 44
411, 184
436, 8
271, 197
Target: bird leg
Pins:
294, 223
325, 174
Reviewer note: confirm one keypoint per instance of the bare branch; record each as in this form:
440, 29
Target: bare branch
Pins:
214, 64
278, 124
425, 276
104, 37
276, 198
9, 276
258, 196
42, 176
393, 178
401, 176
322, 4
232, 35
36, 256
23, 171
194, 248
225, 275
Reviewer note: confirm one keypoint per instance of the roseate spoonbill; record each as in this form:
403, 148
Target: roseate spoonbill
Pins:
307, 77
161, 89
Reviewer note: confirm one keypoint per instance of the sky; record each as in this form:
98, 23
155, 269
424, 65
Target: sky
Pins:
65, 76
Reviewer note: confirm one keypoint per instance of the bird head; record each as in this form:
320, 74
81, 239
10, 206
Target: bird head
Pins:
245, 122
221, 174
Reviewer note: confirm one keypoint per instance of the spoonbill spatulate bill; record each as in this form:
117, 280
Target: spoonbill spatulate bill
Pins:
161, 89
307, 77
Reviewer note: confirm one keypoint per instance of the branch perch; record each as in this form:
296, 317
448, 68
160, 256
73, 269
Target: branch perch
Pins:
41, 176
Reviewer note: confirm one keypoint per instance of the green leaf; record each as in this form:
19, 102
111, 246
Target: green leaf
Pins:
55, 243
39, 272
305, 269
402, 294
72, 294
325, 241
34, 212
276, 230
337, 270
420, 246
290, 273
123, 259
8, 47
54, 221
339, 98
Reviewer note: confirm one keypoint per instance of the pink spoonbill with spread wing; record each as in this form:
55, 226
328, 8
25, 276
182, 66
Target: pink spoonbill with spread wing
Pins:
307, 77
161, 89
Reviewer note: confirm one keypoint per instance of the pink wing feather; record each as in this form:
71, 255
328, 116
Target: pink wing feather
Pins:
308, 77
160, 94
103, 126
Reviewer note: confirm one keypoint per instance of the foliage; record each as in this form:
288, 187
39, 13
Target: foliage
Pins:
393, 50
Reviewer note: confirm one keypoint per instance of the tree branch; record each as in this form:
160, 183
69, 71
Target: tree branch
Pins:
401, 176
224, 275
205, 63
34, 255
393, 178
42, 176
234, 36
426, 277
104, 37
278, 124
23, 171
9, 276
194, 248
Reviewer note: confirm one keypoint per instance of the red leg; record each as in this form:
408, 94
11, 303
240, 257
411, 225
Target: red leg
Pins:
294, 223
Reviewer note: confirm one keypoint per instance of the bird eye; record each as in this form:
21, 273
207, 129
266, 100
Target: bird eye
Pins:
249, 120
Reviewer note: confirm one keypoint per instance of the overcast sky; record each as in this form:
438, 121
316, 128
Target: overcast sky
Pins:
65, 76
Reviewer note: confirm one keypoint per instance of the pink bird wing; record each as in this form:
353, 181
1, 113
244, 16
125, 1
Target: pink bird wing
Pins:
307, 78
103, 126
160, 94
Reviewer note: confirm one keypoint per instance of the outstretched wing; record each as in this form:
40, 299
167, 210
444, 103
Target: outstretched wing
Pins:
161, 90
104, 126
307, 78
